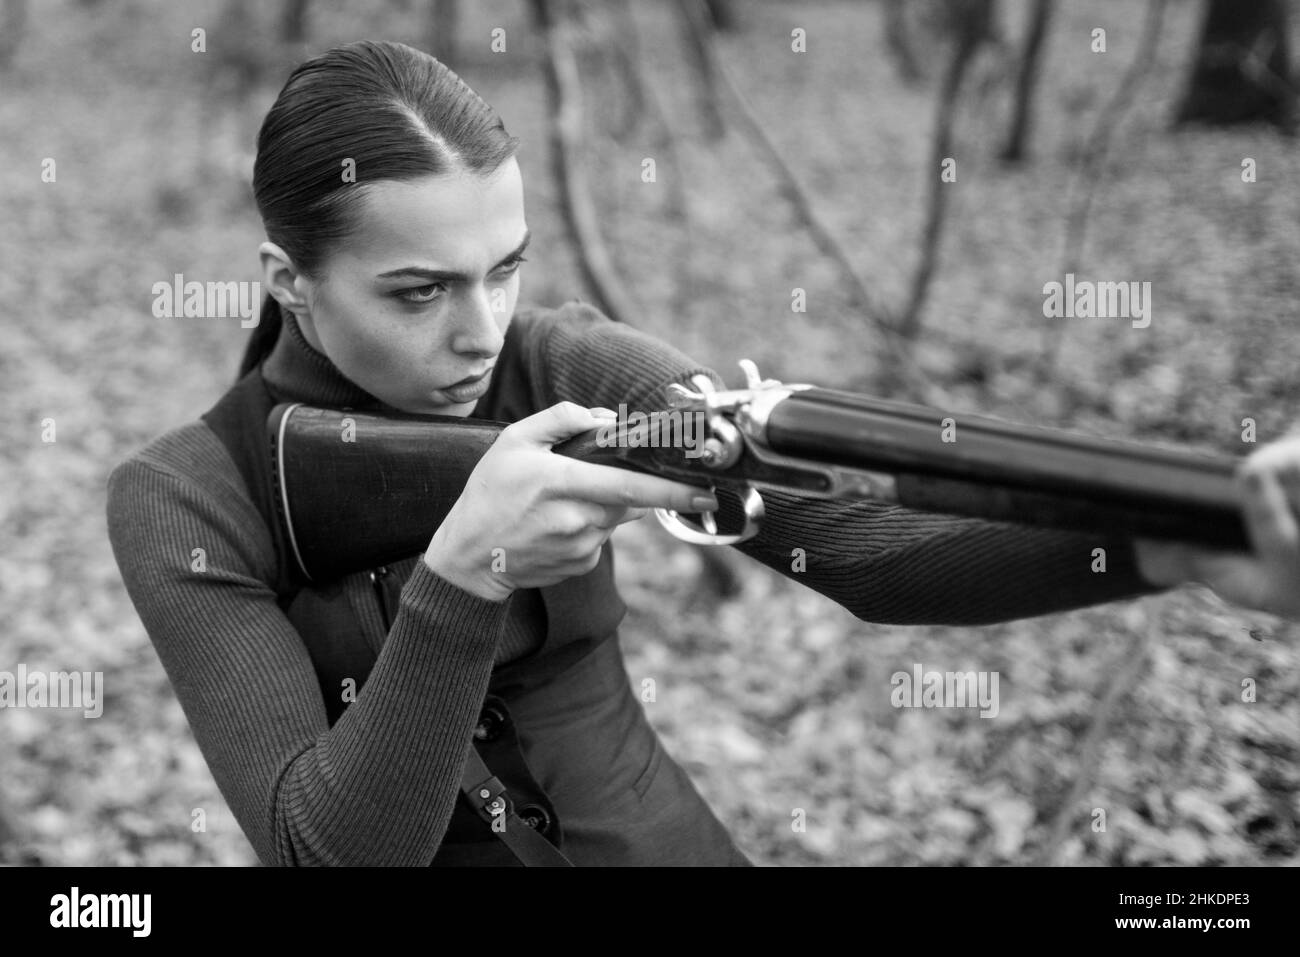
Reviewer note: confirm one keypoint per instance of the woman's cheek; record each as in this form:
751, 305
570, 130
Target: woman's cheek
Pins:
503, 299
372, 361
388, 362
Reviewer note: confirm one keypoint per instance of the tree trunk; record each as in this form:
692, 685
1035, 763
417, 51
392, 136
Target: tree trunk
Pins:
1242, 71
1026, 80
696, 26
972, 25
898, 42
581, 218
11, 29
444, 20
722, 14
293, 21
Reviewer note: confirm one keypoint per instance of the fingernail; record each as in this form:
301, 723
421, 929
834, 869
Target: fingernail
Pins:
603, 413
704, 503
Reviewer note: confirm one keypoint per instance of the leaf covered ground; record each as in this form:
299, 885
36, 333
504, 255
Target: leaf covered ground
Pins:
776, 700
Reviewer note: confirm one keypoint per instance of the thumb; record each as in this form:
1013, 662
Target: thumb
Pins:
561, 421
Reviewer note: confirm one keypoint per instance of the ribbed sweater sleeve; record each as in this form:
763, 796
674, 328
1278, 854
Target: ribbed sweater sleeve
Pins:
377, 788
882, 562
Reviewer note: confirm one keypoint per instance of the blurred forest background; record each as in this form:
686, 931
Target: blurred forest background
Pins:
776, 168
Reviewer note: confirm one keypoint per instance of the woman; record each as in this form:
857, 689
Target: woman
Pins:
451, 709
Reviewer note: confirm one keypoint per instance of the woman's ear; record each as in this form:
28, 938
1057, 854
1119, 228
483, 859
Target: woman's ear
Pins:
283, 280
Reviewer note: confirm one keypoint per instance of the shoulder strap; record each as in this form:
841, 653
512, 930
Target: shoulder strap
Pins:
239, 421
487, 795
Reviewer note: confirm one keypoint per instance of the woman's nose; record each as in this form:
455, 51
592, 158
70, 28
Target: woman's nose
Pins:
479, 327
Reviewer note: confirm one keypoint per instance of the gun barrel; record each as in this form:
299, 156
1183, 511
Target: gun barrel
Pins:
985, 467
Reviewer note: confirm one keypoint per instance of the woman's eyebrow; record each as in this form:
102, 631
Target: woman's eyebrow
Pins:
447, 275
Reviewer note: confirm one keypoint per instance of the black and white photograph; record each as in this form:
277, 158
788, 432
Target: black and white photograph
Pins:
651, 433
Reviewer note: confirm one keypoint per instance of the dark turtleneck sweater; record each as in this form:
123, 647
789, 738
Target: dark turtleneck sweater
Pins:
379, 786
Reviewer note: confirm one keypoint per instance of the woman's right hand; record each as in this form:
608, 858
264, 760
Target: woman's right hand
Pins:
549, 515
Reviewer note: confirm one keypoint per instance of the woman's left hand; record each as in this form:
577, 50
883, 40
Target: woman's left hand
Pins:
1268, 578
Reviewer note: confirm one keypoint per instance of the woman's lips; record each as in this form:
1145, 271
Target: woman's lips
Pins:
467, 390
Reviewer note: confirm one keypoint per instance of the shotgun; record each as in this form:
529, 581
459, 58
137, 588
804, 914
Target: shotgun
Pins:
357, 490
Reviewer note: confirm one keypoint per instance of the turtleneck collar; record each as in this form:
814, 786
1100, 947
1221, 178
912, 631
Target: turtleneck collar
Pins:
296, 372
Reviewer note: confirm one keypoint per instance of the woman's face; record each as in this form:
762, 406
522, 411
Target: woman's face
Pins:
418, 298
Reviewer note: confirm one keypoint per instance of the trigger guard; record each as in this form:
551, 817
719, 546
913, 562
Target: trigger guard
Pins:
693, 534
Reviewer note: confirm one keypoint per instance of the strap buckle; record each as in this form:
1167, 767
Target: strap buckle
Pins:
490, 799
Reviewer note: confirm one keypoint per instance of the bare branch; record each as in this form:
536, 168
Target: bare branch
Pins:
899, 366
293, 21
1026, 80
899, 43
696, 28
564, 89
1128, 668
1094, 158
13, 22
626, 50
443, 27
646, 100
971, 29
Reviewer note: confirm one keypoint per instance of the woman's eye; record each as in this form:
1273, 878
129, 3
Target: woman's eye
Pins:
510, 268
422, 293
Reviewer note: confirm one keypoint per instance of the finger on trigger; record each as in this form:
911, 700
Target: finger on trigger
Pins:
607, 485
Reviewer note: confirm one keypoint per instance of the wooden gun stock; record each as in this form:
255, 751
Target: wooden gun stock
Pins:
356, 490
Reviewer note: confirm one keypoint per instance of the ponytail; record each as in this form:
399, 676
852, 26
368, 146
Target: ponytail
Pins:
265, 334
